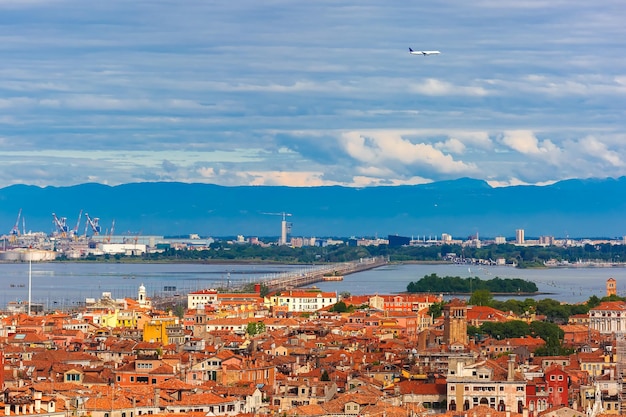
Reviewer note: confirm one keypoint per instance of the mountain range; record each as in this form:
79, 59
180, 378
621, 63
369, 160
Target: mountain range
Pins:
463, 207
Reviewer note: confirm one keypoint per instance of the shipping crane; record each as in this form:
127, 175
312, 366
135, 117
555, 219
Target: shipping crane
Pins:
93, 223
61, 225
15, 232
285, 227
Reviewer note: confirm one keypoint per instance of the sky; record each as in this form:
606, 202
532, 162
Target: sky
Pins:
315, 93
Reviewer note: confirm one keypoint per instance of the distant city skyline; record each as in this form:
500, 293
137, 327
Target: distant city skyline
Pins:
311, 93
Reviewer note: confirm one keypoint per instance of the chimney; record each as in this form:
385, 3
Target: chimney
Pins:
511, 371
157, 397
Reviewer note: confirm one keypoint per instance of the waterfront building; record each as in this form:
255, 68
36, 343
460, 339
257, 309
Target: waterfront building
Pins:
519, 236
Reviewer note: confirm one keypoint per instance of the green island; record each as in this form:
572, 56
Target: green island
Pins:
458, 285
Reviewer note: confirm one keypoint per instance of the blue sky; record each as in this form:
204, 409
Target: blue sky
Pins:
311, 93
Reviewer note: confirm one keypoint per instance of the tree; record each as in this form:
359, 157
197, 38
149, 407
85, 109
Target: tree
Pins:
339, 307
264, 290
325, 376
435, 310
255, 328
593, 301
481, 298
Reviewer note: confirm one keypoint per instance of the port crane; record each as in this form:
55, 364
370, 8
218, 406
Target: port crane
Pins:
61, 225
285, 227
94, 223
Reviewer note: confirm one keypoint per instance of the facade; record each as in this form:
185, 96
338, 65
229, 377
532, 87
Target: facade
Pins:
301, 301
164, 330
609, 318
557, 383
485, 383
201, 298
519, 236
404, 303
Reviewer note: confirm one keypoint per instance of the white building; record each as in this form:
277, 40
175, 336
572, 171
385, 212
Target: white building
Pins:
201, 298
301, 300
609, 318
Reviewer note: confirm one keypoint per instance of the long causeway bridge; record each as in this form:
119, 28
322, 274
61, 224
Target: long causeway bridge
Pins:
300, 277
304, 277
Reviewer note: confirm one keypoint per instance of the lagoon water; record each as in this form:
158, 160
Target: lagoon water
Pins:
65, 284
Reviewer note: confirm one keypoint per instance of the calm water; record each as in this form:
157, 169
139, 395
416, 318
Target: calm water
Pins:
570, 285
65, 284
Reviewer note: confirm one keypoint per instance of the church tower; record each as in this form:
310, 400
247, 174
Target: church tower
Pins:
455, 322
141, 296
611, 287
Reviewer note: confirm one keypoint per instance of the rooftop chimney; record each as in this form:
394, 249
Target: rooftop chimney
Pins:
511, 367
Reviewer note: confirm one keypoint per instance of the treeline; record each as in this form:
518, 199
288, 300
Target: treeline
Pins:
434, 283
527, 256
551, 334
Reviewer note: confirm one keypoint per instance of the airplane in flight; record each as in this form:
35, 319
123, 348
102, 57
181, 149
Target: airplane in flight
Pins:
412, 52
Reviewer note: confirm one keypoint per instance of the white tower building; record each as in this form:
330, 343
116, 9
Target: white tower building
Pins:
141, 296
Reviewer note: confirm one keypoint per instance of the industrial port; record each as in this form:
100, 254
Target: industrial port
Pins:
85, 238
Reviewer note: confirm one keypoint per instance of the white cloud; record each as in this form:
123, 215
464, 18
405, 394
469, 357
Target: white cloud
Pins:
451, 145
435, 87
392, 151
596, 149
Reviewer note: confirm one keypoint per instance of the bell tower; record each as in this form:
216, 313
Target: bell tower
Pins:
455, 322
141, 296
611, 287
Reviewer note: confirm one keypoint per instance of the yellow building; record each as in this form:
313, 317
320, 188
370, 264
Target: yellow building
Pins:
165, 330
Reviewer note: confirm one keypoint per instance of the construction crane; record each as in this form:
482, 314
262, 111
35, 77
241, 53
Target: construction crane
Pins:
15, 232
61, 225
285, 227
110, 233
93, 223
75, 229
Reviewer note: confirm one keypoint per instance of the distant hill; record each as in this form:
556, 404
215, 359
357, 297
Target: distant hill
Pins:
578, 208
